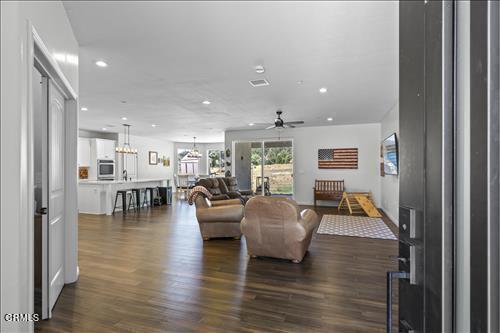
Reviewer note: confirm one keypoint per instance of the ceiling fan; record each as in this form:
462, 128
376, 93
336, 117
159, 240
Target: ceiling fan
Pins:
280, 123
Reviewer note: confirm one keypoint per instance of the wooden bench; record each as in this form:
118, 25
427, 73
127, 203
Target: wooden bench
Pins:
328, 190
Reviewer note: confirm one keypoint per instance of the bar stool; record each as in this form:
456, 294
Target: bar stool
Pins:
124, 194
153, 191
137, 195
144, 198
132, 199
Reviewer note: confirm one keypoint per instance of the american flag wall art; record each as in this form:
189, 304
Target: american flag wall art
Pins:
338, 158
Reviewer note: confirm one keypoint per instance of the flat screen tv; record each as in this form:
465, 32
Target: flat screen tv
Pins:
390, 153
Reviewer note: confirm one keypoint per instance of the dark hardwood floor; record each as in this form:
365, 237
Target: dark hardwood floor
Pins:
151, 272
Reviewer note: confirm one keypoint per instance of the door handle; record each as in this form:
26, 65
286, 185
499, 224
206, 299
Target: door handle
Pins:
43, 211
390, 276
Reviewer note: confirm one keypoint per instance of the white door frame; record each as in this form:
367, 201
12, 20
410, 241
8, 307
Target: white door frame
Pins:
37, 52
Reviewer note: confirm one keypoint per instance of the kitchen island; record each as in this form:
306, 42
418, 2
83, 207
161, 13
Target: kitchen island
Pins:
98, 196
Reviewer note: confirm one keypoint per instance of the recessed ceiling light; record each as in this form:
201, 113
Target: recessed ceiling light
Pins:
323, 90
259, 69
124, 118
206, 102
153, 125
251, 124
84, 109
101, 63
329, 119
104, 129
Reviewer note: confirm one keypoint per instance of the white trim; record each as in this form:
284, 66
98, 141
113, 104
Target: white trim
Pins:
27, 175
34, 41
67, 88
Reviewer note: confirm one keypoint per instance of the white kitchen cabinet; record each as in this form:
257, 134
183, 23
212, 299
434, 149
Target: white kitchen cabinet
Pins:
105, 149
83, 152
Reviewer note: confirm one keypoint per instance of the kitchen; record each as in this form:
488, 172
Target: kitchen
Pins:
108, 163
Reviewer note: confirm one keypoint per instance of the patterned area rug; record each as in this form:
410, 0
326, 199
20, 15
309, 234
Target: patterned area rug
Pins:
357, 226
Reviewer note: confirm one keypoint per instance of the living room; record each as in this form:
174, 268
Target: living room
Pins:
232, 166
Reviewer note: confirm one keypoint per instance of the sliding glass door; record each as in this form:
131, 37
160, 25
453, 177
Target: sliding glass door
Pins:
266, 167
278, 168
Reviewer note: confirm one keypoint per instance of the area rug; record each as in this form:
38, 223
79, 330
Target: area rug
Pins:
356, 226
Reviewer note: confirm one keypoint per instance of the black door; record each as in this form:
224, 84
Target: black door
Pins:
426, 173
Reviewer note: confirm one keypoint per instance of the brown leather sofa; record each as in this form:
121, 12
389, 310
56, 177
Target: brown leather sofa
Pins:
220, 218
233, 190
223, 188
215, 186
274, 227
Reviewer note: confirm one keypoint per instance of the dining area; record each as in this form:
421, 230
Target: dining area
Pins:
184, 183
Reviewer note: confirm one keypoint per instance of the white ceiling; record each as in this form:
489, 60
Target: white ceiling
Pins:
165, 58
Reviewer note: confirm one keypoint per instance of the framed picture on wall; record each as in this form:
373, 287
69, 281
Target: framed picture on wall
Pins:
153, 158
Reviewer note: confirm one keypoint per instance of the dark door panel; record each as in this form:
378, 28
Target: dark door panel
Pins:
426, 146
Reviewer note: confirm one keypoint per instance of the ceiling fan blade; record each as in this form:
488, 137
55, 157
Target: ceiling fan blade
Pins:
261, 124
271, 127
290, 126
294, 122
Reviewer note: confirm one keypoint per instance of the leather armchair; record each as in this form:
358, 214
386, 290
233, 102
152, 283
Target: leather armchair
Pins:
219, 218
275, 227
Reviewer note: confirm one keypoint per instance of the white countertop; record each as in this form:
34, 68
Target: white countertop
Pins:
107, 182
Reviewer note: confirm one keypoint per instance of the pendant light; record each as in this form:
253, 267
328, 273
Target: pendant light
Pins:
126, 149
194, 153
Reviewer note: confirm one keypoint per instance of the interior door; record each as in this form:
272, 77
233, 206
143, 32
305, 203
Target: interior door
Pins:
56, 222
40, 101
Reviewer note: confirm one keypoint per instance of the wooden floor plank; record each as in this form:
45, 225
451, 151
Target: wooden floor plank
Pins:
151, 272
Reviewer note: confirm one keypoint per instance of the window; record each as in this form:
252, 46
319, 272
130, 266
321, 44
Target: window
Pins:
185, 164
215, 162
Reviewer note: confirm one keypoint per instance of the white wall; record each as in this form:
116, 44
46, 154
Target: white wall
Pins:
203, 148
51, 22
308, 140
144, 145
390, 183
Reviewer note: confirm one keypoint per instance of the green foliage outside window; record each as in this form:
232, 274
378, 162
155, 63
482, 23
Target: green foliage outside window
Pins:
281, 155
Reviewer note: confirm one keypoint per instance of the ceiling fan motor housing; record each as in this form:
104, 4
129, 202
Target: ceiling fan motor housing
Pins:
278, 122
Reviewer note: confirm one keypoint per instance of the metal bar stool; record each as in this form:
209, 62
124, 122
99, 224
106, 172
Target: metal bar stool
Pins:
144, 198
123, 194
132, 199
137, 195
153, 192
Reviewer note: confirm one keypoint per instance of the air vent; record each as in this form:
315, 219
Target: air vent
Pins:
259, 83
